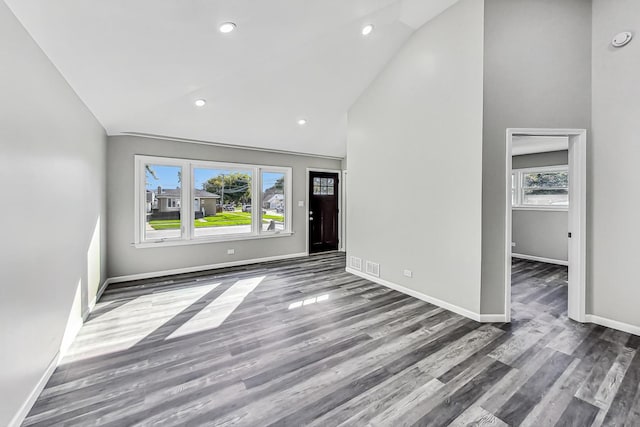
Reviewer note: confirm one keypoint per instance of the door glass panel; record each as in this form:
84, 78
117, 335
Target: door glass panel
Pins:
162, 203
316, 186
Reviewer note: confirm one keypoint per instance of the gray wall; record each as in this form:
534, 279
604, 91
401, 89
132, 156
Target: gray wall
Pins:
124, 259
414, 148
536, 74
537, 232
614, 155
540, 233
550, 158
52, 169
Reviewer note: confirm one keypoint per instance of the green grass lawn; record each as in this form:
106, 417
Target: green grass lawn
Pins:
223, 219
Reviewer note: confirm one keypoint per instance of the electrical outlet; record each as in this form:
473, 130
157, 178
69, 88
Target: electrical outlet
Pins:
408, 273
301, 203
231, 251
513, 244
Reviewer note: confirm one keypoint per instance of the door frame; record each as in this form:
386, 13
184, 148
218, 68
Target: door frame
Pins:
306, 204
343, 213
577, 223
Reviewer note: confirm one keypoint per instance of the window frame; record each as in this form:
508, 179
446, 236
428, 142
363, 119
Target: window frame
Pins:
518, 180
187, 210
287, 199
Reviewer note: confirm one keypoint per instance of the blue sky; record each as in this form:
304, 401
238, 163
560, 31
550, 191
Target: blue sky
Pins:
168, 177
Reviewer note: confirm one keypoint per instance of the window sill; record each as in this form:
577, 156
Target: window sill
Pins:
204, 241
539, 208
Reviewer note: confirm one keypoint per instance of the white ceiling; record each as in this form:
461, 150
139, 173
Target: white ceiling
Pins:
529, 144
140, 65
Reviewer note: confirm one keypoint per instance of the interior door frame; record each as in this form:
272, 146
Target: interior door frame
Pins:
576, 217
340, 210
343, 213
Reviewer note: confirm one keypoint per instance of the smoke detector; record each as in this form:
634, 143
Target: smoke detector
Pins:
622, 39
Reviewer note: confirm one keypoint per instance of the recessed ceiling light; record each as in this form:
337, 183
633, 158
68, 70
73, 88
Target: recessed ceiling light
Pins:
200, 102
302, 122
227, 27
366, 30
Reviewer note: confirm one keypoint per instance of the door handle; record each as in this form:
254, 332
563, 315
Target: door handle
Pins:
310, 218
310, 212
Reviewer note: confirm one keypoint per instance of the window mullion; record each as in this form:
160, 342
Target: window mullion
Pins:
189, 171
186, 210
256, 202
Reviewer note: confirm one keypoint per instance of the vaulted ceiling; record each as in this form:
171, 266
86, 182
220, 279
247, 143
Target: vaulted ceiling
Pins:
140, 65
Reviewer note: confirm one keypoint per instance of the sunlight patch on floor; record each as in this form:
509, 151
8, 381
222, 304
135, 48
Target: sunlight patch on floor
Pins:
308, 301
214, 314
135, 320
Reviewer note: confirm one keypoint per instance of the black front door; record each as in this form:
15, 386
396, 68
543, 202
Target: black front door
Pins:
323, 211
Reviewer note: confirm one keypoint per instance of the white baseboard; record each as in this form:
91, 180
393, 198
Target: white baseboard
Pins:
540, 259
493, 318
613, 324
101, 289
426, 298
20, 416
195, 269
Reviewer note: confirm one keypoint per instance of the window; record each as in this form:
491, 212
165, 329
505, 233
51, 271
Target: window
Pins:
223, 208
225, 201
161, 212
274, 201
541, 188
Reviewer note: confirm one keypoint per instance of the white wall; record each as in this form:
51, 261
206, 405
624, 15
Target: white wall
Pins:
537, 74
614, 155
125, 260
52, 170
414, 148
540, 233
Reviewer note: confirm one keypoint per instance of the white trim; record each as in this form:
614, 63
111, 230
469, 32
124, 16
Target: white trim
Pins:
493, 318
443, 304
540, 208
613, 324
552, 168
519, 188
22, 413
288, 195
224, 145
340, 210
205, 240
174, 271
343, 213
576, 217
188, 231
101, 290
540, 259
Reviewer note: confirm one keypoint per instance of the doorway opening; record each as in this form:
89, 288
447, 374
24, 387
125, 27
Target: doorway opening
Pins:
323, 210
557, 272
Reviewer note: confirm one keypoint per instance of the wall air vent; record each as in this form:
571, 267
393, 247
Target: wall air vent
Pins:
355, 263
372, 268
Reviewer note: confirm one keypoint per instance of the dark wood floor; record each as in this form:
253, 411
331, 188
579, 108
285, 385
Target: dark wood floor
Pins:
303, 343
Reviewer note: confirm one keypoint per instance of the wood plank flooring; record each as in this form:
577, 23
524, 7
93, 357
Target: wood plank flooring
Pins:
302, 342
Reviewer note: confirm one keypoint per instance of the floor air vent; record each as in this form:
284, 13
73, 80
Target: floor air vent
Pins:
372, 268
355, 263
